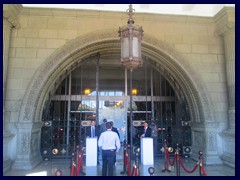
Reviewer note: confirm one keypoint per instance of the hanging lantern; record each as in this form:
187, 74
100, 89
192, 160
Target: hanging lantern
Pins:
131, 37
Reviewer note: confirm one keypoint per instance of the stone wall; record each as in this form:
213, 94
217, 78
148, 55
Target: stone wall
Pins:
44, 31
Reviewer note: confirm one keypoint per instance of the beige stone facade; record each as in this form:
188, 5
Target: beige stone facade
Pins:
39, 44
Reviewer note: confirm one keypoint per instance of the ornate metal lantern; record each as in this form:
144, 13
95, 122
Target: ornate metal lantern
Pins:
131, 37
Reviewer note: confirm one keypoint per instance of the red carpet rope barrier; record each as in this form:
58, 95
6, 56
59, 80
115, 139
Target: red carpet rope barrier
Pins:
73, 168
188, 171
77, 163
203, 170
128, 165
124, 158
179, 162
135, 171
168, 158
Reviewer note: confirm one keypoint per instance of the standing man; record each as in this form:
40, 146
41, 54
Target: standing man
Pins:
110, 144
103, 126
114, 129
145, 131
93, 130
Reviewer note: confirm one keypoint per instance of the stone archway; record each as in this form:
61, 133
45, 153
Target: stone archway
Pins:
106, 41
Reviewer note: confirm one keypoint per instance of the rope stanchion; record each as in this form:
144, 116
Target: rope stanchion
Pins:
151, 171
58, 172
124, 158
201, 168
165, 157
133, 170
137, 171
128, 160
73, 168
81, 161
128, 166
79, 165
77, 161
178, 161
137, 151
168, 158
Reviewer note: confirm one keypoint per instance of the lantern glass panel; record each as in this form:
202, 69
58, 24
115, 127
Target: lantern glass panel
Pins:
125, 47
135, 47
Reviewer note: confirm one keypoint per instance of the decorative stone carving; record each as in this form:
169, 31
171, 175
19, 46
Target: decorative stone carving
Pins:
10, 12
97, 39
225, 20
34, 142
24, 143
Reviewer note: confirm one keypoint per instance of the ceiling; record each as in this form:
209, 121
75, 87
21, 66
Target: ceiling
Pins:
208, 10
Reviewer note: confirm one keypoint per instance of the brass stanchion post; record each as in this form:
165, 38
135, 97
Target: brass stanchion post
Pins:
200, 163
165, 157
178, 161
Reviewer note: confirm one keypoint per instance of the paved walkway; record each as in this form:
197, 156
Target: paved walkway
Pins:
46, 168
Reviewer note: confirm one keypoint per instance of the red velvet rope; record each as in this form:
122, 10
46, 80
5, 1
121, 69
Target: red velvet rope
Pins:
203, 170
125, 157
168, 158
136, 172
72, 173
128, 167
188, 171
80, 165
133, 170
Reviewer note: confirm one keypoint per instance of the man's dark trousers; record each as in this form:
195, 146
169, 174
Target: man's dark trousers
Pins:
108, 157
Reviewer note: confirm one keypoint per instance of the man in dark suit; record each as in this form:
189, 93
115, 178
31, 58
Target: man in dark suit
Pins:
93, 130
145, 130
114, 129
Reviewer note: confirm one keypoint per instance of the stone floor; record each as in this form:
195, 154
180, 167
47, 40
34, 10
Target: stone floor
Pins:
47, 168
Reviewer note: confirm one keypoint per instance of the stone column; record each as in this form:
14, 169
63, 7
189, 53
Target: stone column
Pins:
28, 143
10, 12
229, 47
225, 27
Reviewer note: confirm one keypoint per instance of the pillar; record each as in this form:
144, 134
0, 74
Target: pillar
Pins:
10, 12
225, 27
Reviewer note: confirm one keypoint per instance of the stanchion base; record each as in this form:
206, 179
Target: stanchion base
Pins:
166, 170
83, 173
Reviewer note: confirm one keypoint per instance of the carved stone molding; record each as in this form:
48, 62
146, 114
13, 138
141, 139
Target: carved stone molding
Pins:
10, 12
225, 20
107, 40
28, 154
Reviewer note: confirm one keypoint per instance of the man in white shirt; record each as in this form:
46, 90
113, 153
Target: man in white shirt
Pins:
109, 142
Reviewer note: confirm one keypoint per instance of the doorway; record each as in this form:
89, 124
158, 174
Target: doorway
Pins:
99, 90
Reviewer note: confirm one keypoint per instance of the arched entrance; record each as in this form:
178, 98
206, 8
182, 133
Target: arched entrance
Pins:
75, 103
169, 64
